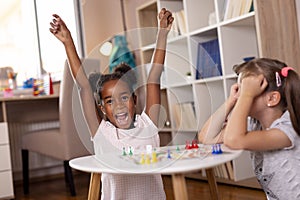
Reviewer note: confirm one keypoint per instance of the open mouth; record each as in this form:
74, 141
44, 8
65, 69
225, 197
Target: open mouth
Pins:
122, 118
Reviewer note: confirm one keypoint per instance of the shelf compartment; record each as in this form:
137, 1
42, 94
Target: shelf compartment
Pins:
147, 20
209, 96
177, 63
195, 40
235, 35
179, 97
197, 13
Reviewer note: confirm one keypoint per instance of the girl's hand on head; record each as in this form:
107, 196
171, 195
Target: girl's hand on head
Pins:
165, 19
234, 93
59, 29
253, 86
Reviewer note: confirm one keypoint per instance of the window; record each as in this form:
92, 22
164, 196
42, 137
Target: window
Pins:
26, 43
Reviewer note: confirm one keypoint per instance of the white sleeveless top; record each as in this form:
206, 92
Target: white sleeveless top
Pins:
111, 139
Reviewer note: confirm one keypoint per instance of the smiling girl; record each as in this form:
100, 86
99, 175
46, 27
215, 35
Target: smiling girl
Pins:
121, 126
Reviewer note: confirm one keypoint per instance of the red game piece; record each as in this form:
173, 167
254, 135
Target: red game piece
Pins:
188, 145
194, 144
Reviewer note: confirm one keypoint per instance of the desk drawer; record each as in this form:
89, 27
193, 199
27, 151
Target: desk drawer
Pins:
6, 189
3, 133
5, 163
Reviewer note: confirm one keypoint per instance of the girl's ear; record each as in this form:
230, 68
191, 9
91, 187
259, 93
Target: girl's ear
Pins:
134, 99
103, 110
273, 98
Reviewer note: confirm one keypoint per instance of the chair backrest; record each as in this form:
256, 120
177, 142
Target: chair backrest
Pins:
72, 122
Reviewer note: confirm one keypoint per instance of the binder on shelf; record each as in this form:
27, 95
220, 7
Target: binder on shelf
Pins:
208, 60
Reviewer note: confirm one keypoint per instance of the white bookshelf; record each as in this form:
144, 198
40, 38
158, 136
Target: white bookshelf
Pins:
239, 37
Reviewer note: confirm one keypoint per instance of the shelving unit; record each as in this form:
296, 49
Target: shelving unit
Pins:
258, 33
6, 179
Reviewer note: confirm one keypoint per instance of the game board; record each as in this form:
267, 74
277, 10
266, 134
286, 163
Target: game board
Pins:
165, 154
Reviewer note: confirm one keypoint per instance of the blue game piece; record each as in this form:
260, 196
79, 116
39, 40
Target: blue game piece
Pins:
220, 149
216, 149
169, 154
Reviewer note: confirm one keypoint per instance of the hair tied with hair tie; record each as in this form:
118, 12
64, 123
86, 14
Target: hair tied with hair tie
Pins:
285, 71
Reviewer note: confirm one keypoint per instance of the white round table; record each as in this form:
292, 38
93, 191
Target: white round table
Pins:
115, 164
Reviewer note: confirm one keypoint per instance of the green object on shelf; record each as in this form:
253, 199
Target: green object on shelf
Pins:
120, 53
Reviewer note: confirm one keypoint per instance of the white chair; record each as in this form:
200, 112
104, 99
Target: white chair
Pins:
63, 143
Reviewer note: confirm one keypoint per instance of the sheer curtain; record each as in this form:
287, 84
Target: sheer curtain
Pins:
26, 44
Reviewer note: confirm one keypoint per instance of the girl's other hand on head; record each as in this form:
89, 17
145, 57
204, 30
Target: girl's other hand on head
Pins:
234, 93
253, 86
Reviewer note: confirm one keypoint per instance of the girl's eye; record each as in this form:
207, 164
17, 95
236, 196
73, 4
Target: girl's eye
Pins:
125, 98
109, 101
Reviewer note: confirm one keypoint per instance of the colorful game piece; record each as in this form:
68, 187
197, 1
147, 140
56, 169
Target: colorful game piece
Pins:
188, 145
149, 149
169, 154
124, 152
142, 161
194, 144
147, 161
154, 157
177, 148
130, 151
216, 149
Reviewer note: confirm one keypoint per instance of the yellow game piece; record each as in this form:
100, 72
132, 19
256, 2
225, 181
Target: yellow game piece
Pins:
142, 161
154, 157
147, 159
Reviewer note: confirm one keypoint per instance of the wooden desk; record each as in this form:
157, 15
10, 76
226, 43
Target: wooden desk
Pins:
19, 108
20, 114
113, 163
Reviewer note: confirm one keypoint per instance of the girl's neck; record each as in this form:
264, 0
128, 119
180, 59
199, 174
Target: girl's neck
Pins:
269, 117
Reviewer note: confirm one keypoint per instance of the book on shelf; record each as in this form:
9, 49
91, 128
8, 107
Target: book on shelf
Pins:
180, 18
222, 9
208, 59
178, 25
235, 8
185, 116
246, 7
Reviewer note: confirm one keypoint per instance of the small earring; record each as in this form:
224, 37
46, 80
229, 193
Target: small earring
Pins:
268, 105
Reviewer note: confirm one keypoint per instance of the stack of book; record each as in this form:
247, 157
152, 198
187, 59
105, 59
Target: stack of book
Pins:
235, 8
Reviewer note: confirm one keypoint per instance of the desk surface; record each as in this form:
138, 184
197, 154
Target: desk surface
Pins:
114, 163
27, 97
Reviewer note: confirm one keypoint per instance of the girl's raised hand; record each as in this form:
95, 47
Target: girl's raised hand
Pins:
165, 19
253, 86
59, 29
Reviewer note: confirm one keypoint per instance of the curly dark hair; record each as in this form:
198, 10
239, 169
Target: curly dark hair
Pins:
122, 72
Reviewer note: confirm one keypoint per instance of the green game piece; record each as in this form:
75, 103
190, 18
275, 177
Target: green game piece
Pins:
124, 152
177, 148
130, 151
